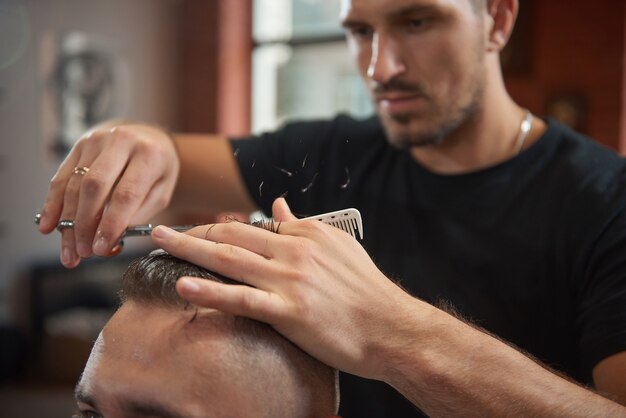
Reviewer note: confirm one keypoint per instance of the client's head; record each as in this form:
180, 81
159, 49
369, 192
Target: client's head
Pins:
159, 357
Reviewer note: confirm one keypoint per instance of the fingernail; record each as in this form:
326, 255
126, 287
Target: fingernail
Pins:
188, 286
66, 256
162, 232
117, 249
101, 246
42, 218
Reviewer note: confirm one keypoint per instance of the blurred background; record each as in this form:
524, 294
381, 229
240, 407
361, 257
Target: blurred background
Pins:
228, 66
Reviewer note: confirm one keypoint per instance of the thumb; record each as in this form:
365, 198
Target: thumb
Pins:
281, 211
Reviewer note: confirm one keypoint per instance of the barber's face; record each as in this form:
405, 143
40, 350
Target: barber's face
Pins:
422, 61
153, 362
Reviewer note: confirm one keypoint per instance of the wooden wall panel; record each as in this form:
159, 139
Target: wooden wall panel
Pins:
234, 62
198, 50
577, 50
215, 49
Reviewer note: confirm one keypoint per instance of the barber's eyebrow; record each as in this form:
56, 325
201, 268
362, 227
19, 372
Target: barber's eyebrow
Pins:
400, 12
137, 408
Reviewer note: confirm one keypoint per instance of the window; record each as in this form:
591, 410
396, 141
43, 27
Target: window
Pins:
301, 66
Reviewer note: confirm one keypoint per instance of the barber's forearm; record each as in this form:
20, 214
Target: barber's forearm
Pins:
209, 179
452, 369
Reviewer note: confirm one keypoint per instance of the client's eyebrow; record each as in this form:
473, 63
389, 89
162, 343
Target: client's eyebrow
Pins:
150, 409
136, 408
84, 397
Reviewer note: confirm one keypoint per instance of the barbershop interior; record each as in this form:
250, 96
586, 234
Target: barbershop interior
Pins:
232, 67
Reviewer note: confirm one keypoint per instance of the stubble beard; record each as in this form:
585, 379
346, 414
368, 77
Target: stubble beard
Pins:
411, 129
406, 130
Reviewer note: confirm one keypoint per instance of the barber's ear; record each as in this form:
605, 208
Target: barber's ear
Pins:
501, 16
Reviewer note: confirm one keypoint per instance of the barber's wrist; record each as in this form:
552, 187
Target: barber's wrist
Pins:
110, 124
170, 135
403, 338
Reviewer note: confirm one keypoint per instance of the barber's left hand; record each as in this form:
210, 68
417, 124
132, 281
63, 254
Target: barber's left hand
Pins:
312, 282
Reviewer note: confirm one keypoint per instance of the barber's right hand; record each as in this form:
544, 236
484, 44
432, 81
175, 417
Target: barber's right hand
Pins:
132, 173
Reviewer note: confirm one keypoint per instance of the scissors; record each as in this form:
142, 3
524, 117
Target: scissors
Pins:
348, 220
132, 231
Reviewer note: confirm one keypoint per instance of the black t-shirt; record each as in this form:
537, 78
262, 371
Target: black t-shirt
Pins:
532, 249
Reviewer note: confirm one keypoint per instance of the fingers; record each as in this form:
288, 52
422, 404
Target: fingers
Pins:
237, 300
62, 198
69, 254
281, 211
258, 240
132, 170
229, 260
95, 187
53, 204
69, 257
155, 200
128, 196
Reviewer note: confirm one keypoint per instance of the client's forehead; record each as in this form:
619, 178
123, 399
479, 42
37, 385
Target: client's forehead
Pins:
144, 331
153, 355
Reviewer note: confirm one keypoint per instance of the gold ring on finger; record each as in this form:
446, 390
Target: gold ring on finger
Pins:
81, 171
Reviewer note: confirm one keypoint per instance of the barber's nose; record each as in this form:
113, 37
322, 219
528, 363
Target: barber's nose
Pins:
386, 61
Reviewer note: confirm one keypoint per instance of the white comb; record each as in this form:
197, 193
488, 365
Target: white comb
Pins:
348, 220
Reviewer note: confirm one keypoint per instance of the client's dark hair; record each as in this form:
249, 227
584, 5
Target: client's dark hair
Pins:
152, 279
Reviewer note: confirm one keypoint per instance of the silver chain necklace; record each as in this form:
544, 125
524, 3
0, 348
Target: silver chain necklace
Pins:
524, 129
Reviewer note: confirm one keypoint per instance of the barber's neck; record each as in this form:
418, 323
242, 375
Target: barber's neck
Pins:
486, 138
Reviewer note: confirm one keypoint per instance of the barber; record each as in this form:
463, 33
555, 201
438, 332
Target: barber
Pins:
476, 208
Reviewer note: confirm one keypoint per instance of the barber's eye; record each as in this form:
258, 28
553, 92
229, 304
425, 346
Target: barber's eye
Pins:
361, 32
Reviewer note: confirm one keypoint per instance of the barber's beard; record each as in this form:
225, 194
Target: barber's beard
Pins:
436, 134
444, 117
405, 130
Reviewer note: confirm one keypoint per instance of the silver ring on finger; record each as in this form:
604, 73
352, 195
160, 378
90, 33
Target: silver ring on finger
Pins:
65, 224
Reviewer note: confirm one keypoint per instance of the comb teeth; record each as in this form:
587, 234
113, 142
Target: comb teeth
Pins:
341, 224
348, 220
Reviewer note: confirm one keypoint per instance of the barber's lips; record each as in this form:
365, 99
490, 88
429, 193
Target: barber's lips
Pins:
400, 103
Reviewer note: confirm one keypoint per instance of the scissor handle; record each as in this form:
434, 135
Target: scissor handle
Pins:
132, 231
138, 231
